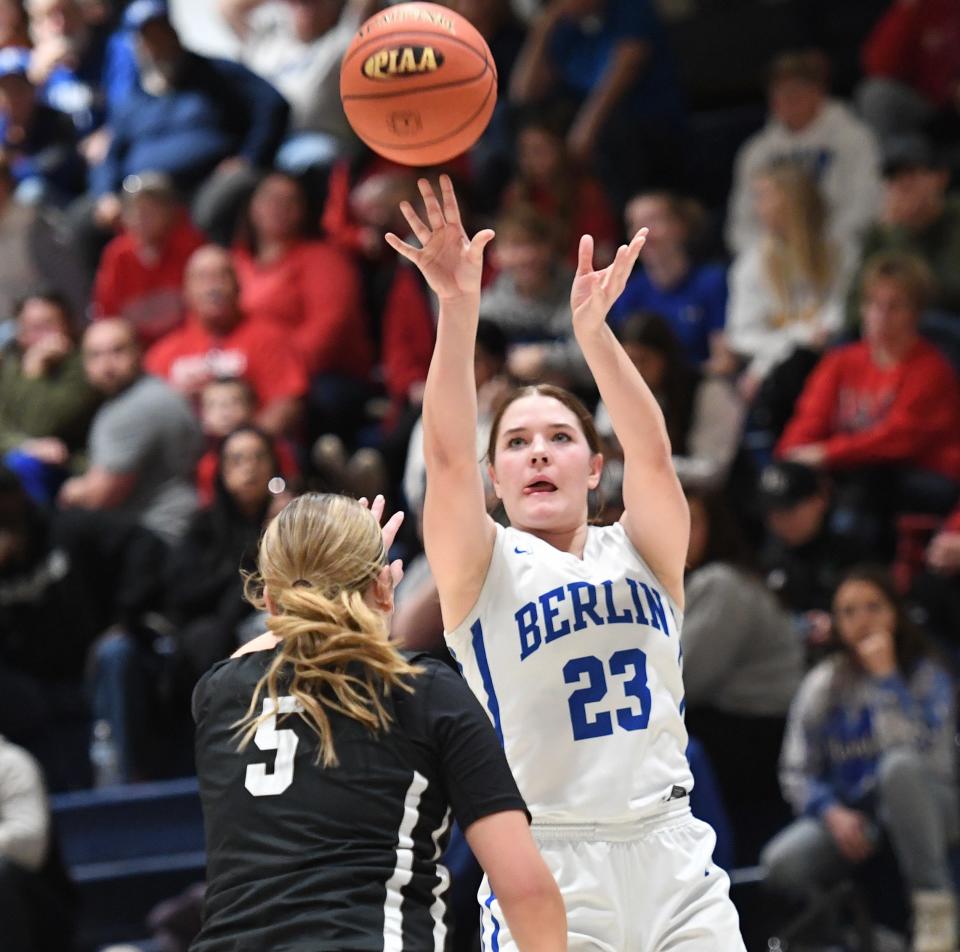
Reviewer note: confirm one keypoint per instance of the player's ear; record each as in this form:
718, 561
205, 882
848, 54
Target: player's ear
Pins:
596, 470
380, 592
493, 480
268, 601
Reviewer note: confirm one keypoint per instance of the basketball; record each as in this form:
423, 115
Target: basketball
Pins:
418, 83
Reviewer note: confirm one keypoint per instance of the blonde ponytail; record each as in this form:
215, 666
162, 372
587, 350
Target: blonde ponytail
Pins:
316, 561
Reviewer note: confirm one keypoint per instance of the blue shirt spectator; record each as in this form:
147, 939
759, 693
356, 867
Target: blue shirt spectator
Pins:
691, 297
38, 141
188, 112
78, 69
581, 51
695, 308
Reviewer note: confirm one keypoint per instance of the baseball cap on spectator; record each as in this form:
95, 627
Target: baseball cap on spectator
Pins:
907, 153
783, 484
14, 61
142, 12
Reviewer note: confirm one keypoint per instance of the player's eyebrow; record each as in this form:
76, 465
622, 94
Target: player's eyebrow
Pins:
550, 426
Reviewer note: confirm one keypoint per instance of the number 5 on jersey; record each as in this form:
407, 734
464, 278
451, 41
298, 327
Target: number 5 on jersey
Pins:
631, 660
284, 742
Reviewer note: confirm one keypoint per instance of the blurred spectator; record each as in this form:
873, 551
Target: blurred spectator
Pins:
890, 400
703, 413
144, 442
742, 663
943, 554
787, 285
491, 158
35, 250
691, 296
205, 122
574, 202
869, 756
140, 277
809, 544
918, 217
38, 141
808, 127
14, 28
611, 59
64, 579
205, 582
34, 900
227, 405
363, 204
912, 62
297, 45
309, 292
529, 300
79, 69
46, 403
219, 340
937, 587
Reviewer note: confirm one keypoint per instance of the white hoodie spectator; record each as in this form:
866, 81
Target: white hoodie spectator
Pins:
820, 133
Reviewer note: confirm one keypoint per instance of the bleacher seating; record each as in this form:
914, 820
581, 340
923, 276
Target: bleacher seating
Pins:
126, 849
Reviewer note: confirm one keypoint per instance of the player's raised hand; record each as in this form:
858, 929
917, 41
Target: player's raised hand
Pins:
390, 529
451, 263
594, 292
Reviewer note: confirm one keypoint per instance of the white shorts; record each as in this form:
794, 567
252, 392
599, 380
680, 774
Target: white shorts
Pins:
651, 887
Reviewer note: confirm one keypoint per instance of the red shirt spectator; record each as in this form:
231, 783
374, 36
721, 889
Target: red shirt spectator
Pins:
308, 289
140, 277
918, 43
408, 334
191, 356
219, 340
356, 218
312, 293
576, 203
864, 414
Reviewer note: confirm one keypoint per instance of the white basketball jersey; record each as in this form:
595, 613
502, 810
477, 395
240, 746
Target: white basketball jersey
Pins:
577, 662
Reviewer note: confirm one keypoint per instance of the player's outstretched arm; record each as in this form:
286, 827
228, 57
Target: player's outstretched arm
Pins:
656, 516
519, 878
458, 533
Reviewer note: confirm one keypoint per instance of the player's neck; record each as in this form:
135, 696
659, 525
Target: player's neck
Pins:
566, 540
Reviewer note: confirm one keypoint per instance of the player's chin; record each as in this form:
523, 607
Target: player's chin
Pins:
540, 510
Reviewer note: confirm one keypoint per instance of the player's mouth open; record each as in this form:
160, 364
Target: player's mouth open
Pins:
540, 486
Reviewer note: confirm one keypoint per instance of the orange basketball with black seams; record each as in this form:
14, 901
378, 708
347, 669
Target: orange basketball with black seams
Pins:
418, 83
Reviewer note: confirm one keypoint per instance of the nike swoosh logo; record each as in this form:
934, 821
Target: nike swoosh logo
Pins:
520, 551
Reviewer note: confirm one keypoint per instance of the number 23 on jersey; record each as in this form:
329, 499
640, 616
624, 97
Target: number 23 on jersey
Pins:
630, 665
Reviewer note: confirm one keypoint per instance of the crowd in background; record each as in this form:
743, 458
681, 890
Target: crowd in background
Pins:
199, 318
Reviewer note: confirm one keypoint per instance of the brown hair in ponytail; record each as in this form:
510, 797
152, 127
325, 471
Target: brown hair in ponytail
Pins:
316, 560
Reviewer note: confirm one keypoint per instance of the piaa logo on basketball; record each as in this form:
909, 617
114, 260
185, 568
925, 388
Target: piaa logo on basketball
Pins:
402, 61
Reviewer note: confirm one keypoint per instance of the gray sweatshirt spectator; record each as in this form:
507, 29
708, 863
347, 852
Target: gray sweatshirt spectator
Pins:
823, 135
144, 442
740, 652
869, 754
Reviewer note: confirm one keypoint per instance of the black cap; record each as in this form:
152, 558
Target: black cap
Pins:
783, 484
908, 152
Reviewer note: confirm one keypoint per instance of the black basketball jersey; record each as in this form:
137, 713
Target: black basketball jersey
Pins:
303, 857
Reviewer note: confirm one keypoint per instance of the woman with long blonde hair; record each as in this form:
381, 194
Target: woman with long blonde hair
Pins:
329, 763
786, 289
